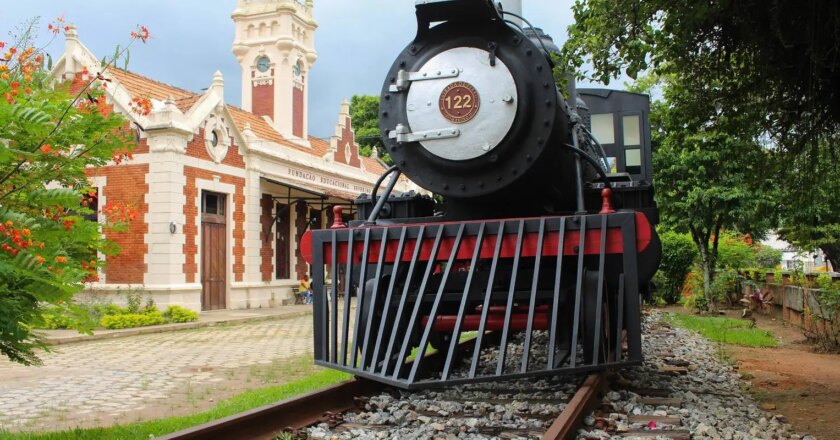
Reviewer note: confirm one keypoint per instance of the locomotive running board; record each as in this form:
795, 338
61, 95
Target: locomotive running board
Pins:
434, 282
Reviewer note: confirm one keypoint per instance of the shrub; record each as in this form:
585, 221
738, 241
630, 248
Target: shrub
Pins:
724, 286
735, 251
109, 309
179, 314
678, 253
767, 257
54, 319
130, 320
132, 300
827, 297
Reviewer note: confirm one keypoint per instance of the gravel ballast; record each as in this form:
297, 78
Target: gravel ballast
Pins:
706, 399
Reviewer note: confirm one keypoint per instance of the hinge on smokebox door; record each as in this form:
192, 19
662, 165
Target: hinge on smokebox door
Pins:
404, 78
403, 135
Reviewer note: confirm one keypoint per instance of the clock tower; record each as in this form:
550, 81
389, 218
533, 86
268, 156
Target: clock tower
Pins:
275, 47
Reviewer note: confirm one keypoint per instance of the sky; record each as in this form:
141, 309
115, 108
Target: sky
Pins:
356, 41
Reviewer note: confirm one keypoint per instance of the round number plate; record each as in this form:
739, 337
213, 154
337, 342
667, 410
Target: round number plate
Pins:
459, 102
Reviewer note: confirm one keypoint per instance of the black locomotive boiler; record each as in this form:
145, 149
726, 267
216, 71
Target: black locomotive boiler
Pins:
545, 241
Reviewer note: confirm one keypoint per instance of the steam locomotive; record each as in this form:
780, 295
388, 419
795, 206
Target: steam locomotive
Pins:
546, 238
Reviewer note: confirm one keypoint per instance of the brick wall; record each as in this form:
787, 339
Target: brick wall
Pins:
191, 210
301, 219
262, 100
126, 184
266, 236
197, 148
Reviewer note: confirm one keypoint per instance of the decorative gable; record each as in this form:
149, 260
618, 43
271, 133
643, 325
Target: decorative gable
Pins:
343, 143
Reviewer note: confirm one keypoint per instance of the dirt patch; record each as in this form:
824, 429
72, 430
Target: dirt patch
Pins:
791, 379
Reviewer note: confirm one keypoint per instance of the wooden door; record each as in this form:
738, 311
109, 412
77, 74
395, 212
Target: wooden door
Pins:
213, 252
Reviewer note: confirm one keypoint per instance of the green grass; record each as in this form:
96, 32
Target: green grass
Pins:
466, 336
726, 330
144, 430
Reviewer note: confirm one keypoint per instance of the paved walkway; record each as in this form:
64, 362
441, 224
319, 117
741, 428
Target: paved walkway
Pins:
94, 382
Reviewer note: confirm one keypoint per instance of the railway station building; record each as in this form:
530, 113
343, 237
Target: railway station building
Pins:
223, 193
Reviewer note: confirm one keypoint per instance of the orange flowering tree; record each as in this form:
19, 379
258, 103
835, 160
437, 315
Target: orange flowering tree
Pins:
51, 240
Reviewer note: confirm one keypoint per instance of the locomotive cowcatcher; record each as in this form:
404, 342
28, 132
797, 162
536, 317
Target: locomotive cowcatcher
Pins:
546, 238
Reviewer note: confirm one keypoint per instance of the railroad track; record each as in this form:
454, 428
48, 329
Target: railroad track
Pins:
550, 408
562, 407
326, 408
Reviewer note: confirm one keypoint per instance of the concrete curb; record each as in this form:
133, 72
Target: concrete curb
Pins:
113, 334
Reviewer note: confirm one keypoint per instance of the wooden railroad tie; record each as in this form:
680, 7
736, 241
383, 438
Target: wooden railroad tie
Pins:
674, 371
675, 434
659, 420
662, 401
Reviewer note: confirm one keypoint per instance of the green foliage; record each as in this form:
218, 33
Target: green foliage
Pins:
179, 314
54, 318
724, 287
809, 210
109, 309
828, 301
364, 112
725, 330
49, 137
767, 257
678, 254
129, 320
710, 173
735, 252
753, 55
133, 299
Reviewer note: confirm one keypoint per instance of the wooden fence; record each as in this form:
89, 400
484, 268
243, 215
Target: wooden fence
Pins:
794, 304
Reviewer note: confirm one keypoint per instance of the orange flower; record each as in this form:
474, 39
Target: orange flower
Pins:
26, 232
15, 84
46, 149
141, 106
61, 259
40, 259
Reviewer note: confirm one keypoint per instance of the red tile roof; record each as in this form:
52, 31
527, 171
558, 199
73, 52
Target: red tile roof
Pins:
145, 87
142, 86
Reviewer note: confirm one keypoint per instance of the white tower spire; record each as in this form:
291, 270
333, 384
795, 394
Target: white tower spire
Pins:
275, 47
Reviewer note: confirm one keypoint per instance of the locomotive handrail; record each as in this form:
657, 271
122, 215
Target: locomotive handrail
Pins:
592, 162
374, 214
379, 181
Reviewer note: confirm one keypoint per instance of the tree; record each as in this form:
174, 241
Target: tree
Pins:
776, 57
810, 214
678, 254
49, 135
710, 172
364, 112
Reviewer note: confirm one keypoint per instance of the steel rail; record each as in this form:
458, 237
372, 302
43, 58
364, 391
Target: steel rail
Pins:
298, 412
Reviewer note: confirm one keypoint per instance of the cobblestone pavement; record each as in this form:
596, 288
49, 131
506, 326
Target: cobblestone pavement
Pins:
113, 378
